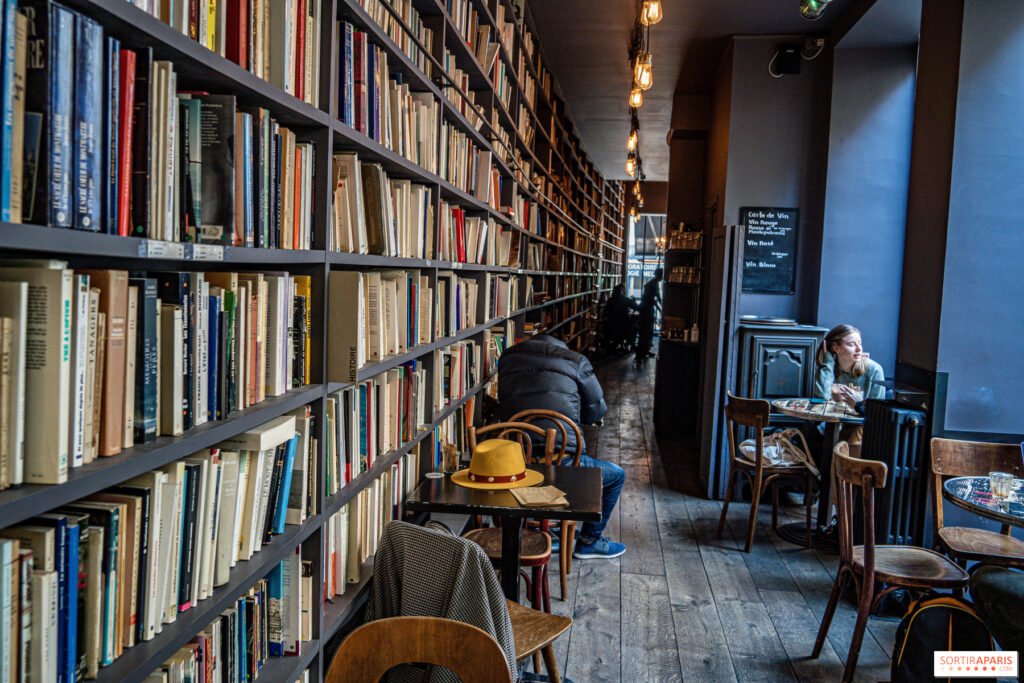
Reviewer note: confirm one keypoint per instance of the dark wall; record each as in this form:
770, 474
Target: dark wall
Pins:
778, 130
983, 298
718, 145
866, 196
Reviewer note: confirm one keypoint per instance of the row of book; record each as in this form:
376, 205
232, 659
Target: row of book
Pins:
456, 371
474, 239
272, 619
451, 438
101, 138
465, 165
477, 34
502, 296
97, 360
375, 315
112, 569
495, 341
378, 104
408, 31
371, 419
376, 214
353, 533
457, 303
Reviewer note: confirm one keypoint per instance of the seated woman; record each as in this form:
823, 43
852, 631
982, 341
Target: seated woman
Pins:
845, 373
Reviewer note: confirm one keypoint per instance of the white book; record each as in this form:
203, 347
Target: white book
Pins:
79, 380
228, 503
200, 360
44, 627
341, 551
375, 350
155, 481
254, 486
352, 171
276, 335
245, 462
170, 547
131, 340
268, 435
296, 512
209, 528
14, 305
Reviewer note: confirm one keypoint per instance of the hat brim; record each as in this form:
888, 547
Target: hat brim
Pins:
532, 478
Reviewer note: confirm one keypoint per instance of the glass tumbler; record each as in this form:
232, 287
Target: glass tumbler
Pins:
1000, 484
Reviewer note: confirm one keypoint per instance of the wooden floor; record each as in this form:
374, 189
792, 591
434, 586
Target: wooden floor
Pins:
681, 605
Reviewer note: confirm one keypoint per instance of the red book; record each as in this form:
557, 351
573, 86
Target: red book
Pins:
126, 115
237, 30
300, 52
459, 219
359, 79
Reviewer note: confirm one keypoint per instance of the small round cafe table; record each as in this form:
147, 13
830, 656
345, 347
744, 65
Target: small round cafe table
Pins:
974, 495
834, 415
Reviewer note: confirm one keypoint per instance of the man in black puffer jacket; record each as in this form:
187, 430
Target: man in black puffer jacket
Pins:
542, 372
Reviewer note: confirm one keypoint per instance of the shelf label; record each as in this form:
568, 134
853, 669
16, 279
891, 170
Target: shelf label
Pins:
160, 249
205, 252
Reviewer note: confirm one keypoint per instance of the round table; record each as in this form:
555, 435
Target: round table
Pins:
973, 494
834, 415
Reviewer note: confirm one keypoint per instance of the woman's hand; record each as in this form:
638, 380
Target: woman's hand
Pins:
845, 394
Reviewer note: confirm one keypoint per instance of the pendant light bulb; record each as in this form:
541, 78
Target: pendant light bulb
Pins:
636, 97
631, 165
632, 141
643, 75
650, 12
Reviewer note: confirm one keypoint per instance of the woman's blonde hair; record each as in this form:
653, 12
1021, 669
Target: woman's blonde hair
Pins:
834, 336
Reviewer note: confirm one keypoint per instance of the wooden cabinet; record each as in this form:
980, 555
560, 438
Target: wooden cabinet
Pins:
777, 361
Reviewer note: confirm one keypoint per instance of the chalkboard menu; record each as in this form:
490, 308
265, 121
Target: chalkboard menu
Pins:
769, 249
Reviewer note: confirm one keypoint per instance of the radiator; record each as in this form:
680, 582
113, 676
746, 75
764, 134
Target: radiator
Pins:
897, 436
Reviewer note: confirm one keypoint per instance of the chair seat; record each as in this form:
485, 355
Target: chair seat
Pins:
535, 546
785, 468
532, 629
978, 544
911, 566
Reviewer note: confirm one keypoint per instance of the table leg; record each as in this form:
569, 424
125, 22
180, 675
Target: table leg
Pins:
828, 443
511, 528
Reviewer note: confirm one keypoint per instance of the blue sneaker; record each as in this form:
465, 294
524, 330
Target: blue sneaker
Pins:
556, 542
602, 548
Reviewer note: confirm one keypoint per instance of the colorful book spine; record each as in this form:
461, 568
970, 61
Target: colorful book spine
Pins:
281, 504
111, 142
8, 13
213, 371
125, 133
146, 361
345, 92
87, 123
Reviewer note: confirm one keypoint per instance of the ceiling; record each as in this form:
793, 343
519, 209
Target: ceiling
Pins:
586, 44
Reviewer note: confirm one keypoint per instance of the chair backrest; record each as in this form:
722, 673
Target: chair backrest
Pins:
563, 425
851, 474
952, 458
517, 431
374, 648
747, 412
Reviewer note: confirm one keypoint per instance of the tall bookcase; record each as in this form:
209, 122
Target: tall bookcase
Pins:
573, 257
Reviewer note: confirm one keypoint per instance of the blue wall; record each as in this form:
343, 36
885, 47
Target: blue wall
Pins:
866, 196
981, 340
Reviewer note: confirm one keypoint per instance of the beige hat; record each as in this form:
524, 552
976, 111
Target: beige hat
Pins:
497, 464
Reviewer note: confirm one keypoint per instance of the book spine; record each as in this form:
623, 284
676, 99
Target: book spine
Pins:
139, 198
87, 123
218, 169
112, 123
188, 541
146, 360
125, 132
8, 13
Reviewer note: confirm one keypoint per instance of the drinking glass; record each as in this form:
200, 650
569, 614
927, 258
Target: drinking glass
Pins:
1000, 484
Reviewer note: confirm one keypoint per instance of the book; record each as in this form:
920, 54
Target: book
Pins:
125, 141
18, 123
90, 181
45, 616
113, 286
218, 170
130, 353
146, 361
171, 370
8, 15
150, 486
14, 307
346, 326
111, 138
139, 151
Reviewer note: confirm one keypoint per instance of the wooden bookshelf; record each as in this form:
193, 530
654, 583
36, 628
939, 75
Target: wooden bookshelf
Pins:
581, 249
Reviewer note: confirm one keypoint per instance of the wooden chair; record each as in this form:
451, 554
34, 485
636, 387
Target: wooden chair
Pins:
535, 632
899, 566
563, 425
756, 414
536, 545
951, 458
374, 648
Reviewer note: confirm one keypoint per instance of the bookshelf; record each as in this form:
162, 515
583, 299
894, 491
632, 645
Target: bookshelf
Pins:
567, 219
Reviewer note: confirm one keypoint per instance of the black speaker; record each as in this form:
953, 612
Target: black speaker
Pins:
787, 61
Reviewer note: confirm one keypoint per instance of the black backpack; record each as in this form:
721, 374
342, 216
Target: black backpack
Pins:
935, 623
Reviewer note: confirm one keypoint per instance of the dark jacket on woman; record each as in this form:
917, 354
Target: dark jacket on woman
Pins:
542, 372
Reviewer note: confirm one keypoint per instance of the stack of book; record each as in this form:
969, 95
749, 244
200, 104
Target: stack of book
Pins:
367, 421
117, 361
411, 35
456, 371
112, 569
471, 239
456, 303
463, 164
376, 214
353, 532
272, 619
104, 139
375, 315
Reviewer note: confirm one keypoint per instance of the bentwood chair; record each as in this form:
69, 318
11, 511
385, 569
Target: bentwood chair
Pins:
535, 546
372, 649
755, 414
951, 458
563, 426
895, 566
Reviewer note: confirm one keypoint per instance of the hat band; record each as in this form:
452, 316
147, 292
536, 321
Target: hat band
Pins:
496, 480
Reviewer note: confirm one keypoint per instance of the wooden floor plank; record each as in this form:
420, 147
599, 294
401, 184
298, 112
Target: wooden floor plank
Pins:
649, 650
638, 524
596, 639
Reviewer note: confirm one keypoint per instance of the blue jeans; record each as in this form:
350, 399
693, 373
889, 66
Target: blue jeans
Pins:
612, 479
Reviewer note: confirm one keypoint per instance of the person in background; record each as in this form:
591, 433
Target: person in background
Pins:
618, 326
845, 373
650, 308
998, 595
542, 373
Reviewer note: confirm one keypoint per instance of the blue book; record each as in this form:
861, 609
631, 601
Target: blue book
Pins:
247, 197
372, 131
8, 11
60, 525
275, 590
213, 363
363, 448
286, 485
146, 361
243, 649
345, 92
50, 74
89, 179
111, 131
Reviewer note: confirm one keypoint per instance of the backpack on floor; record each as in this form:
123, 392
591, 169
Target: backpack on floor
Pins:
935, 623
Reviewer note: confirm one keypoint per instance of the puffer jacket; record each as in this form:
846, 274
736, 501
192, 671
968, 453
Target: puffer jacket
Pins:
543, 373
